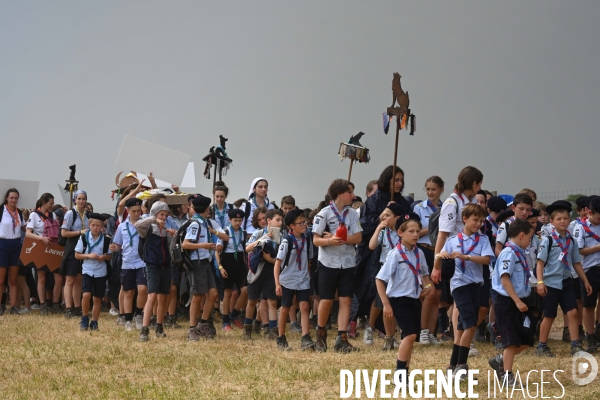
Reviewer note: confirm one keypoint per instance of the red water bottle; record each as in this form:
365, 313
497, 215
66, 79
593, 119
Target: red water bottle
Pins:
342, 232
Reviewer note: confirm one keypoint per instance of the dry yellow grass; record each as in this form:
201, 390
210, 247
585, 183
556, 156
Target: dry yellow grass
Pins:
47, 357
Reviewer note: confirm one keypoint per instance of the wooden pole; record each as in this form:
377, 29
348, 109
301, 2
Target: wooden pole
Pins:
214, 181
350, 171
393, 183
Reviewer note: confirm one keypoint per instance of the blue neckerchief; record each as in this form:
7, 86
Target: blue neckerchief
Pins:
221, 214
91, 245
236, 244
129, 233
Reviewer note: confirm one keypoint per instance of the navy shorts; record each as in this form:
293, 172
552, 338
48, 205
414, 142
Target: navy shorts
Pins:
158, 278
175, 275
132, 278
484, 291
10, 250
73, 267
593, 276
263, 287
287, 296
94, 285
466, 299
332, 279
565, 297
201, 278
236, 271
506, 315
446, 294
407, 312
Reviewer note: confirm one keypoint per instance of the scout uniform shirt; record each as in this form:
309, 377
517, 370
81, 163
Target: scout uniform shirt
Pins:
75, 225
404, 276
128, 238
557, 269
235, 238
336, 256
424, 210
473, 272
295, 276
198, 232
509, 263
451, 221
91, 267
587, 239
388, 239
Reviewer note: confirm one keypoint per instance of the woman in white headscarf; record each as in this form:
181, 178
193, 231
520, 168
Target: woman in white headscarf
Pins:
257, 197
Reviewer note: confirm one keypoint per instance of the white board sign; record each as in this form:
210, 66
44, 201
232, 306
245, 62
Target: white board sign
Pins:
144, 157
28, 191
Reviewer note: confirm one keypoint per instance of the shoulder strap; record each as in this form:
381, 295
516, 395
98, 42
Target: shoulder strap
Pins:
290, 244
84, 241
247, 210
106, 243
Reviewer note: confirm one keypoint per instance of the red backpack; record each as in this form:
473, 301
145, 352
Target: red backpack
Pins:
51, 226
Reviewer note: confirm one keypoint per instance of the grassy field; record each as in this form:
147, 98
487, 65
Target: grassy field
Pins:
48, 358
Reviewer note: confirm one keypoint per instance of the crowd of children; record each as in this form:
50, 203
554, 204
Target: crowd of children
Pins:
468, 269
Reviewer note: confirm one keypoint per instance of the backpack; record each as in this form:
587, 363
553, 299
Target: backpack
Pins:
434, 223
61, 240
51, 227
289, 250
179, 256
247, 211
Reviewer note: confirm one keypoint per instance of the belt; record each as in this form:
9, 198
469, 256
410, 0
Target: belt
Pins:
427, 246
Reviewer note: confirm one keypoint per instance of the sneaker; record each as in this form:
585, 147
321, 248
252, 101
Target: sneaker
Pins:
368, 336
321, 340
352, 333
36, 306
227, 328
121, 320
450, 368
434, 340
113, 311
24, 310
144, 334
247, 334
139, 322
565, 335
265, 331
313, 322
14, 311
306, 343
128, 326
152, 322
447, 336
94, 326
544, 352
43, 309
204, 330
576, 348
388, 344
295, 327
473, 351
592, 344
461, 367
55, 309
342, 345
497, 364
511, 383
193, 335
84, 324
68, 313
282, 344
499, 346
160, 331
77, 312
424, 337
238, 324
273, 334
480, 333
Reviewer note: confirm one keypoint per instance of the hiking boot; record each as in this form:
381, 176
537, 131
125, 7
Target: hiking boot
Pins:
499, 346
424, 337
388, 344
14, 311
121, 320
77, 312
352, 333
447, 336
576, 348
55, 309
128, 326
94, 326
295, 327
273, 333
175, 324
434, 340
592, 344
68, 313
113, 311
306, 343
84, 324
205, 331
159, 331
212, 328
511, 383
193, 335
497, 364
461, 367
565, 336
282, 344
313, 322
321, 340
256, 327
2, 309
139, 322
544, 352
247, 334
480, 333
227, 328
44, 309
450, 369
342, 345
144, 334
152, 322
168, 323
368, 336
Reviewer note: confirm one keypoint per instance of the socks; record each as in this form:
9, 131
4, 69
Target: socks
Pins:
322, 328
226, 319
401, 365
248, 321
139, 311
341, 332
542, 345
463, 354
272, 324
574, 343
234, 314
128, 317
203, 321
454, 356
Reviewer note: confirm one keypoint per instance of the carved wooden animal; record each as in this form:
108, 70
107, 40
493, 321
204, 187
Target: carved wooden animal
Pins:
398, 94
355, 140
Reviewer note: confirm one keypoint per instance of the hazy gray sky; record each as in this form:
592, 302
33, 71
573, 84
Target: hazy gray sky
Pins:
510, 87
